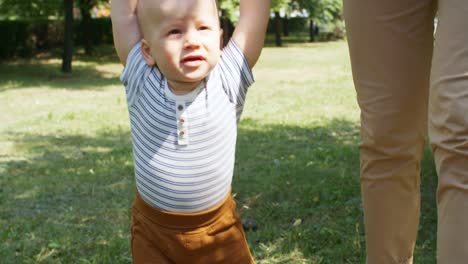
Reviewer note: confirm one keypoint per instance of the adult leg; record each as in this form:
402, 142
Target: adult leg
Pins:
448, 129
390, 44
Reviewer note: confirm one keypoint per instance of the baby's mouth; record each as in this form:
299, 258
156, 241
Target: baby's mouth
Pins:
193, 60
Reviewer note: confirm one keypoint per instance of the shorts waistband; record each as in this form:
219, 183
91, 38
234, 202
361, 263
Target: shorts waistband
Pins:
184, 220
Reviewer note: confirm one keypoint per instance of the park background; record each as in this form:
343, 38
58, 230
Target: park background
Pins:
66, 167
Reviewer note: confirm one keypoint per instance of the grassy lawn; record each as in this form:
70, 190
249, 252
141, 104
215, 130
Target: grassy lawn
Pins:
66, 170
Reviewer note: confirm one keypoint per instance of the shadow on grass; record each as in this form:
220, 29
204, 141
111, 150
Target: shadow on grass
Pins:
35, 74
101, 54
45, 72
301, 186
70, 200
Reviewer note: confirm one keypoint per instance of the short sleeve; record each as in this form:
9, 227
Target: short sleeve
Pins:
134, 74
235, 73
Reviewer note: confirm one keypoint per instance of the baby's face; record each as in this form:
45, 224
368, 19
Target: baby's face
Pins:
186, 43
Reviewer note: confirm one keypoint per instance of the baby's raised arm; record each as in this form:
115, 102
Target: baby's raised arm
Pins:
251, 29
124, 26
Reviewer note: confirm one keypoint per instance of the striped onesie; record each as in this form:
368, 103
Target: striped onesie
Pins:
184, 146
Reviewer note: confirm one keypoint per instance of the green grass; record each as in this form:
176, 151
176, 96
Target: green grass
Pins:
66, 170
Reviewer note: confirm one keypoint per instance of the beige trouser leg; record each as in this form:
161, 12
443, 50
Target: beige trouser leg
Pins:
448, 129
390, 45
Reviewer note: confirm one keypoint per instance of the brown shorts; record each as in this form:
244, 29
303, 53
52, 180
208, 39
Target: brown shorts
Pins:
212, 236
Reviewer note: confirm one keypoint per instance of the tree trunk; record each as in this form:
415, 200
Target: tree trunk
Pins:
312, 30
86, 27
68, 37
286, 26
278, 32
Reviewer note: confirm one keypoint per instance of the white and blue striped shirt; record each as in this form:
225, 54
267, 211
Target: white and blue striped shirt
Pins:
184, 146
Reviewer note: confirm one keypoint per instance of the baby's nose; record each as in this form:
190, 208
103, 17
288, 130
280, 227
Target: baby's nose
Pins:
192, 40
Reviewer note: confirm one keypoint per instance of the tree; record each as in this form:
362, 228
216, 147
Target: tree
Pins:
276, 6
30, 9
59, 9
68, 37
288, 8
85, 7
321, 11
228, 18
278, 29
43, 9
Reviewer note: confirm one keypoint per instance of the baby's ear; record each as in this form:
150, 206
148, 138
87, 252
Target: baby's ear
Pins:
146, 51
221, 39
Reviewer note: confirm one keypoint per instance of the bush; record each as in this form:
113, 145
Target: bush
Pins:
17, 40
101, 32
331, 31
24, 38
295, 24
327, 31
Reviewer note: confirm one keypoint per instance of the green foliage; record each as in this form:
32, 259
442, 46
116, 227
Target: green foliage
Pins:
35, 8
276, 5
324, 11
14, 9
229, 9
327, 14
87, 5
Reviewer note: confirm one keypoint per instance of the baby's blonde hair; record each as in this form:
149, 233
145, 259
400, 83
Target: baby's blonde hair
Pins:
149, 11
